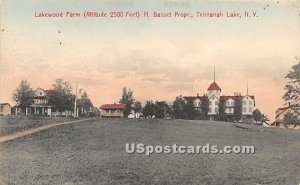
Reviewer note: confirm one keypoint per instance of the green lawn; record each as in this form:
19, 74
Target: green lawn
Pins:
13, 124
94, 153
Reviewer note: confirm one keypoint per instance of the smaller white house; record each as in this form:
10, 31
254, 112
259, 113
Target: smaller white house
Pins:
112, 110
280, 114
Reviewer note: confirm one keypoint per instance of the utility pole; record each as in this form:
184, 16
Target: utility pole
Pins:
75, 111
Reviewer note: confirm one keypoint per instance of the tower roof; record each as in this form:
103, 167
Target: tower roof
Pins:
214, 86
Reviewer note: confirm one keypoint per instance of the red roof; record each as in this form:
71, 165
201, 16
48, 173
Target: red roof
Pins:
192, 98
214, 86
225, 98
51, 91
252, 97
282, 110
113, 106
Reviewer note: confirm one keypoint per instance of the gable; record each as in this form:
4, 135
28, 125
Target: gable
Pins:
4, 104
213, 97
285, 110
40, 92
230, 100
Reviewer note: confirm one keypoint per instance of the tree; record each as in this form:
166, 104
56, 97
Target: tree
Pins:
161, 108
189, 111
149, 109
205, 106
182, 109
264, 118
260, 117
63, 99
127, 99
178, 108
292, 94
84, 95
23, 95
84, 103
257, 115
291, 119
137, 106
238, 110
222, 115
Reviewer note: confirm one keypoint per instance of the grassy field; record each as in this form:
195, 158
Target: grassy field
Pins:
93, 152
12, 124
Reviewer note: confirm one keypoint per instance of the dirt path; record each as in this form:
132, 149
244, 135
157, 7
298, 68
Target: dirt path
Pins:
34, 130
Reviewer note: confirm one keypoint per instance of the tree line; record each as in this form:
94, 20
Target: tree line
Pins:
63, 99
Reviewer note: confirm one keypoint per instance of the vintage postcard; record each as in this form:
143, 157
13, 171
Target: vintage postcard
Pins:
149, 92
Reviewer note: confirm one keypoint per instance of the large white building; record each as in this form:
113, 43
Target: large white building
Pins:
215, 98
40, 105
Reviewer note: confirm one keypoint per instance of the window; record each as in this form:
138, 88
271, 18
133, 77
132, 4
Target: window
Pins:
41, 93
250, 102
244, 109
244, 102
227, 103
250, 109
216, 110
216, 102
